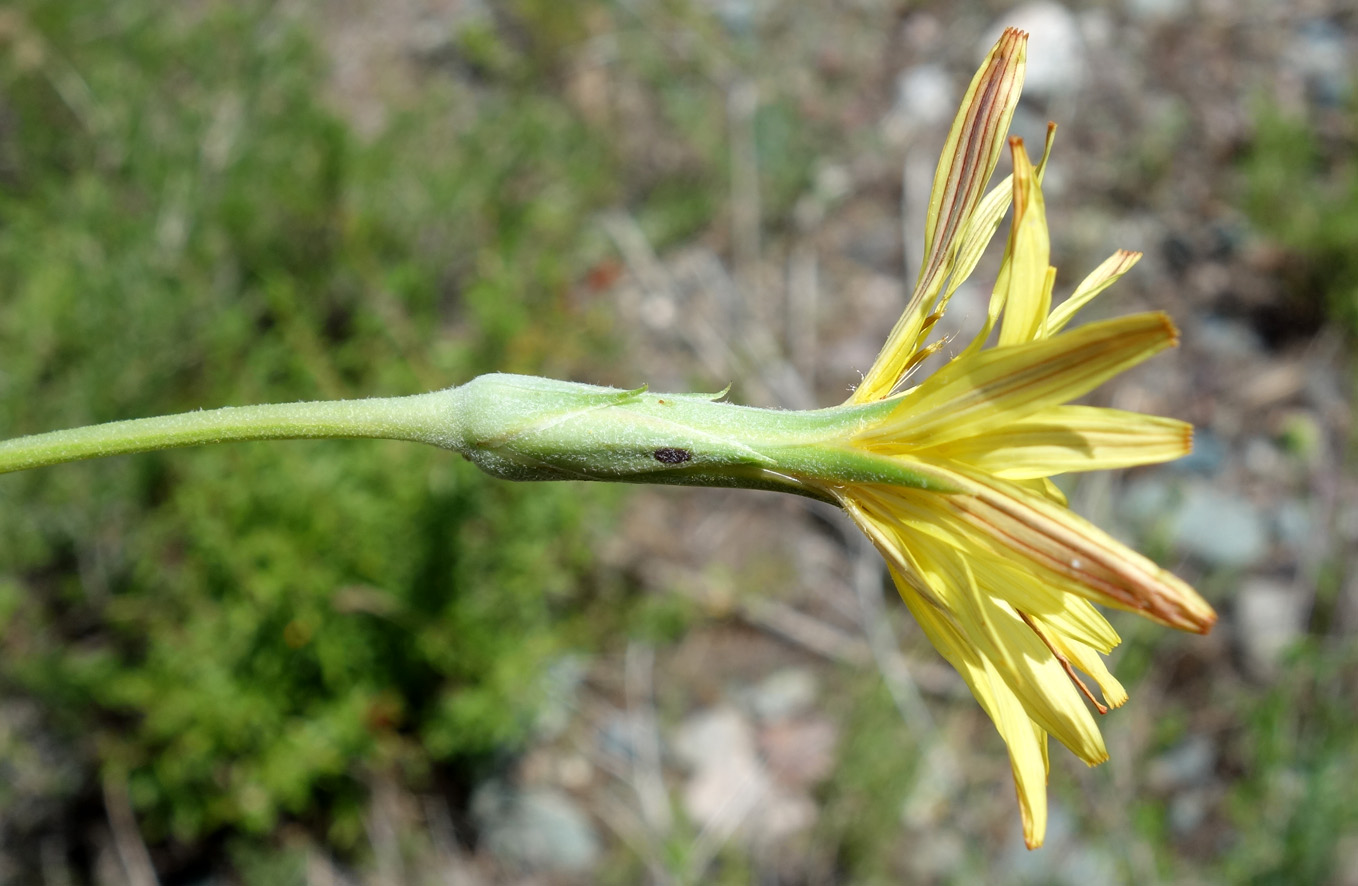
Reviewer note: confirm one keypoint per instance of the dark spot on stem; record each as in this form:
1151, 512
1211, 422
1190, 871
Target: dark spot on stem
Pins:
670, 456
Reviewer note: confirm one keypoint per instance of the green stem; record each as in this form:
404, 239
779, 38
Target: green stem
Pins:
418, 418
523, 428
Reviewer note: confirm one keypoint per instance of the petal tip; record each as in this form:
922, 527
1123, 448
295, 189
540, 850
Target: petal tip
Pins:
1192, 615
1170, 330
1013, 44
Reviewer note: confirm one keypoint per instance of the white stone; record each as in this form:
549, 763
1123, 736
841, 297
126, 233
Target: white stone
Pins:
1269, 618
538, 830
714, 733
1056, 52
784, 693
926, 95
1224, 530
728, 781
1157, 11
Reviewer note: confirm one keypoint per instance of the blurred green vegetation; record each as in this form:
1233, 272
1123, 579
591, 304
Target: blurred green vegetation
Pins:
864, 801
1301, 191
248, 635
1293, 815
1294, 807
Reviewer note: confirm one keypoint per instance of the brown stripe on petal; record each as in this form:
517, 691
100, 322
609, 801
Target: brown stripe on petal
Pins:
1069, 546
968, 159
978, 149
1064, 662
967, 396
1088, 359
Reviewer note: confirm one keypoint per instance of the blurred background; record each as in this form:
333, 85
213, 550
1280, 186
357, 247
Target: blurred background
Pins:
363, 663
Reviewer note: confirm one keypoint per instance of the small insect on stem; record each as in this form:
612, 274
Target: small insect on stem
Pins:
670, 456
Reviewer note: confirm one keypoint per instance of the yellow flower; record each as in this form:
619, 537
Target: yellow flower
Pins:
996, 569
950, 478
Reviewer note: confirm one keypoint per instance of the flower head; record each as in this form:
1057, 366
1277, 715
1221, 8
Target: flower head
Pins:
996, 569
950, 478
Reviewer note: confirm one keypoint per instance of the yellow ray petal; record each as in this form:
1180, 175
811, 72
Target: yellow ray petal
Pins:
931, 555
1027, 745
904, 531
973, 148
985, 222
1058, 545
1074, 616
969, 157
1024, 739
980, 231
988, 390
1071, 438
981, 228
1089, 661
991, 628
1045, 689
897, 518
1029, 296
1099, 279
1045, 488
1075, 654
1022, 659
